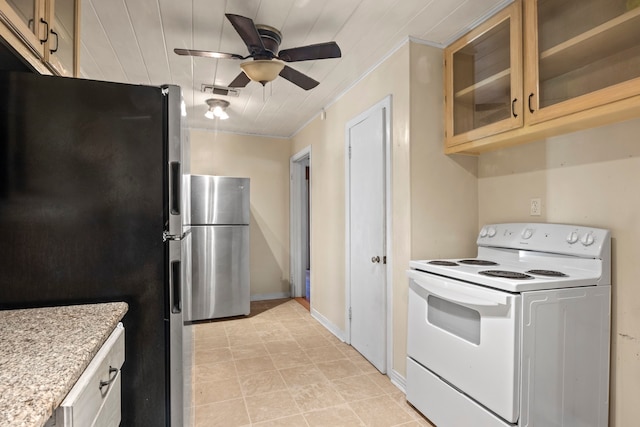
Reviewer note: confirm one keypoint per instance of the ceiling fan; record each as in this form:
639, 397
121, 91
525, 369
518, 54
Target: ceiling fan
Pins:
267, 63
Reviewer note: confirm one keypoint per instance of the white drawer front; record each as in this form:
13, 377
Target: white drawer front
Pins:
97, 392
109, 414
443, 405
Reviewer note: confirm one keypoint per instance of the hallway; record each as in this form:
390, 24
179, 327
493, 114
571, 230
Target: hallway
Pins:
280, 367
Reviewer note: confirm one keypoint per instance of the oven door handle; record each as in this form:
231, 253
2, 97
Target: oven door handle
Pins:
459, 294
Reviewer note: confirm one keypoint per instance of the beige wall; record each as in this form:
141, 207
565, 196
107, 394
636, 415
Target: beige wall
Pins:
439, 201
327, 139
266, 162
589, 177
443, 189
423, 179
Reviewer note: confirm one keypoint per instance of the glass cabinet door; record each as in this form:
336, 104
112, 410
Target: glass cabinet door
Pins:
26, 11
25, 16
62, 38
584, 53
483, 72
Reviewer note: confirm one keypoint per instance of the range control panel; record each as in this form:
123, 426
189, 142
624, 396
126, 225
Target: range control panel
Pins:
554, 238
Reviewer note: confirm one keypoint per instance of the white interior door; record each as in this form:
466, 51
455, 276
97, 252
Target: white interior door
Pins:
367, 241
300, 221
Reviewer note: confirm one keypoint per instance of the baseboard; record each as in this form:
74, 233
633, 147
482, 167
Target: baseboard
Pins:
327, 324
398, 380
264, 297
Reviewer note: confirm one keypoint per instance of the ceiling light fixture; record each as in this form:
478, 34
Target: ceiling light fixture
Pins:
217, 109
262, 70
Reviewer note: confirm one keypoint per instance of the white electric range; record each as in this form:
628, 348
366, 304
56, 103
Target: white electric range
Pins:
519, 335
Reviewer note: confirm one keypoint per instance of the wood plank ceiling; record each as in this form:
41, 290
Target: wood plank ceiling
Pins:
132, 41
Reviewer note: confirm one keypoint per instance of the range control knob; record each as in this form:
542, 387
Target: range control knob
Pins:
572, 237
491, 232
483, 232
587, 239
527, 233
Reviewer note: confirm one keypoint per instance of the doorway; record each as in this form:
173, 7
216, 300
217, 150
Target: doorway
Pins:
300, 224
368, 233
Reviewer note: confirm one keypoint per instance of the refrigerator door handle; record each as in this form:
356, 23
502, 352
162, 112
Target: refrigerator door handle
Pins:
176, 287
174, 185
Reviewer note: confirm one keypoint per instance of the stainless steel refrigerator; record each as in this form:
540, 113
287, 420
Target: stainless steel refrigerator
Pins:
220, 243
91, 210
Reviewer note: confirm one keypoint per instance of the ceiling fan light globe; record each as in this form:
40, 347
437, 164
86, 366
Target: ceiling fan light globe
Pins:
262, 70
217, 109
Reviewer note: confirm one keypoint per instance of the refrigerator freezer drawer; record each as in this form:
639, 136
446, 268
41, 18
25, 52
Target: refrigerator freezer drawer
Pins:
220, 272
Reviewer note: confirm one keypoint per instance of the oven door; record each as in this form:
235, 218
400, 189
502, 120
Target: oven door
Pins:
469, 336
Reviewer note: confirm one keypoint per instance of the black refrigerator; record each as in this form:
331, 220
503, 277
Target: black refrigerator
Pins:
91, 210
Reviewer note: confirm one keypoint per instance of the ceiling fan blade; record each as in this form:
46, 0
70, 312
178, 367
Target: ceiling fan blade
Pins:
297, 78
241, 80
207, 54
314, 51
247, 31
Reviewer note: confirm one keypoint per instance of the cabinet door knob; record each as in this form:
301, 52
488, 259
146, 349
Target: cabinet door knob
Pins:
513, 107
530, 108
375, 259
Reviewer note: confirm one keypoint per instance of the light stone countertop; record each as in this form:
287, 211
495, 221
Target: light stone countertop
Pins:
43, 352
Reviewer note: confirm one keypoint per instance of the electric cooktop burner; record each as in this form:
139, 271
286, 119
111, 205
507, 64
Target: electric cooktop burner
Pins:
548, 273
506, 274
444, 263
477, 262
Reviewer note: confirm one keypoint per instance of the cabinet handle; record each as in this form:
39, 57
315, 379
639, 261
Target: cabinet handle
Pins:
46, 31
375, 259
112, 377
57, 41
513, 107
530, 109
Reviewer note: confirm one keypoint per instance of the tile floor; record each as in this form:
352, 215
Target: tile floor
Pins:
280, 367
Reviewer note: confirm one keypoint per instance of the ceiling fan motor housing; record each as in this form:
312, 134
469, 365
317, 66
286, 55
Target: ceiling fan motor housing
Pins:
271, 39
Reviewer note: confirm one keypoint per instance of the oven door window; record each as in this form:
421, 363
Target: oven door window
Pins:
461, 321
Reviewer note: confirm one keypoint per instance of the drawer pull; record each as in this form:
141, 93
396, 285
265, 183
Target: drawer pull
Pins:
113, 372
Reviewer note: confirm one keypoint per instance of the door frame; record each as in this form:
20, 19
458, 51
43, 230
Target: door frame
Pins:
385, 105
298, 238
